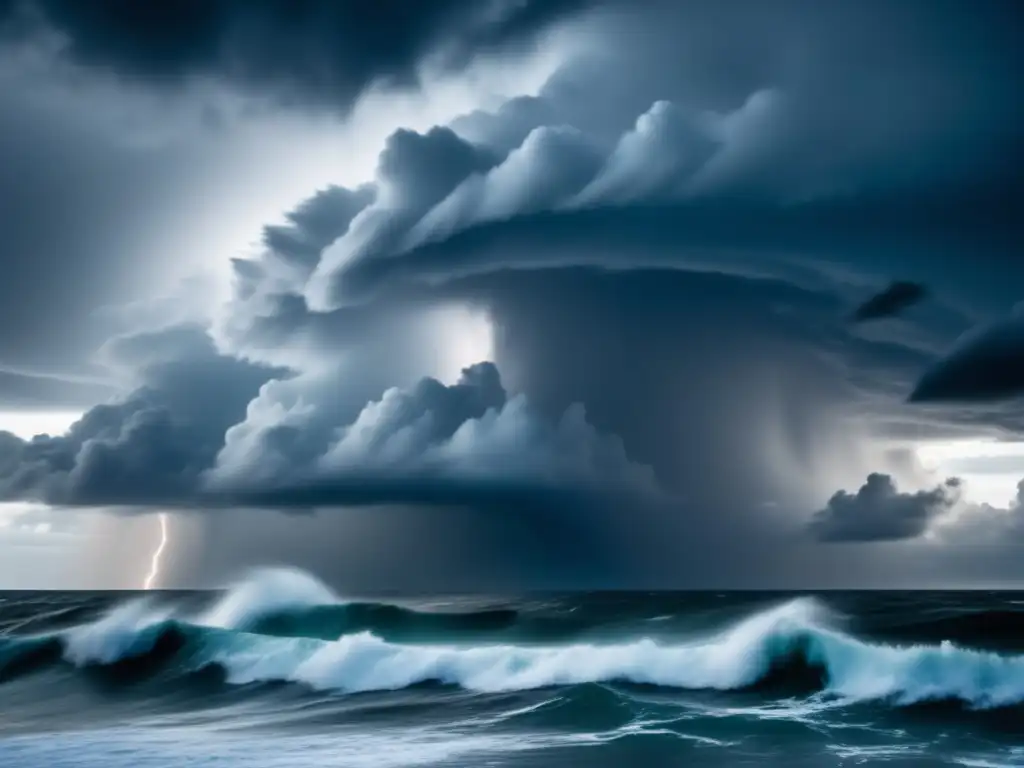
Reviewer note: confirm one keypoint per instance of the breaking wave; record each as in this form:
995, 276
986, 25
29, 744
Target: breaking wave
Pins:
271, 629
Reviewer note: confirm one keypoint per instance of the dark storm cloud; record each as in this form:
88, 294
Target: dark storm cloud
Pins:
149, 447
896, 297
986, 365
266, 304
188, 436
323, 52
741, 376
315, 224
746, 390
432, 444
582, 335
665, 240
778, 182
731, 236
749, 379
84, 199
816, 161
880, 512
966, 543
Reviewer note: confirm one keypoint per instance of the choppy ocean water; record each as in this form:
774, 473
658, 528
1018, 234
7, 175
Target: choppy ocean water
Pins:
278, 671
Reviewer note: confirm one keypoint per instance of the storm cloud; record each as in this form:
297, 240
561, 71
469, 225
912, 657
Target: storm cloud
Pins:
896, 297
149, 447
311, 52
643, 271
192, 434
878, 511
985, 365
432, 444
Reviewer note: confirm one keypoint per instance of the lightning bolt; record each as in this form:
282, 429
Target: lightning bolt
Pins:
154, 564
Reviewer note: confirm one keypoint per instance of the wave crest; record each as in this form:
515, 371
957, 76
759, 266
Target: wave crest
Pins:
265, 592
744, 656
129, 630
793, 644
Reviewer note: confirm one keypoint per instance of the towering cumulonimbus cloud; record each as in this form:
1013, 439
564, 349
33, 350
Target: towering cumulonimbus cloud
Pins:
663, 264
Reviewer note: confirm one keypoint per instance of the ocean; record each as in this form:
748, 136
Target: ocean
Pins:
278, 671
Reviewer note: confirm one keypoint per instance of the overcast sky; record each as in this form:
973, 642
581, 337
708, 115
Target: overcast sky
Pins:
509, 295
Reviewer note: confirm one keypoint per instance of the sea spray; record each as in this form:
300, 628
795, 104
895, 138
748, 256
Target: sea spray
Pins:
789, 639
264, 592
723, 677
129, 630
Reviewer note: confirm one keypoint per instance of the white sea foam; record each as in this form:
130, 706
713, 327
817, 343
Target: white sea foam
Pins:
737, 658
128, 630
798, 631
266, 591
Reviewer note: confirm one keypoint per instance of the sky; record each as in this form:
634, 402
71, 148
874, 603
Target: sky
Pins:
512, 294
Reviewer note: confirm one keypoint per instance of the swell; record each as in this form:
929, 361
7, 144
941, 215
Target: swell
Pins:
20, 657
384, 620
997, 629
784, 651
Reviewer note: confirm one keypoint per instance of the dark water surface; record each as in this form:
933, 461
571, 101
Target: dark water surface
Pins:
280, 672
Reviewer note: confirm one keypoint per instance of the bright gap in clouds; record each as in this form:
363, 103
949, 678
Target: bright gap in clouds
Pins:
28, 424
990, 469
464, 336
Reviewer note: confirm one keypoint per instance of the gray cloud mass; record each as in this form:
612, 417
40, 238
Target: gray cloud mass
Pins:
878, 511
659, 248
317, 52
188, 437
149, 447
896, 297
985, 365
